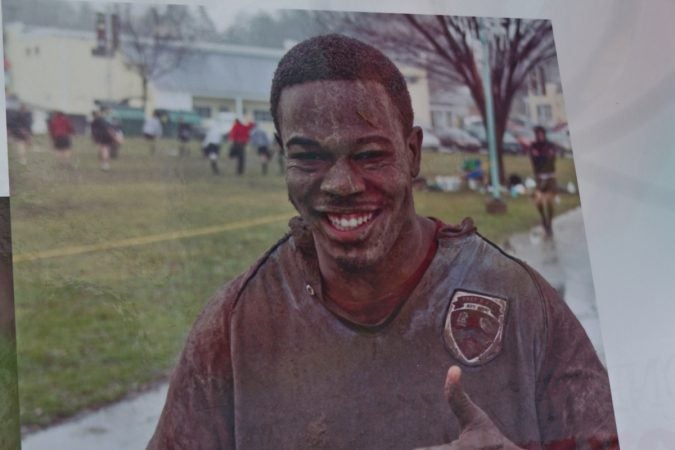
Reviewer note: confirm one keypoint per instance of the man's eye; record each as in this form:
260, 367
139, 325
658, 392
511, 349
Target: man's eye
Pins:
368, 155
307, 156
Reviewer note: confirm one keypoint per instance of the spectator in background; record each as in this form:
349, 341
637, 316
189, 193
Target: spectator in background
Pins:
473, 174
104, 135
542, 156
152, 129
116, 131
261, 142
60, 130
239, 135
184, 136
211, 146
19, 126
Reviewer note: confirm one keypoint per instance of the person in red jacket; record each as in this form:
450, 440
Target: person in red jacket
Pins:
60, 130
239, 135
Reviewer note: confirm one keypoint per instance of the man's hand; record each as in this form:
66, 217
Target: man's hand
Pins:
477, 432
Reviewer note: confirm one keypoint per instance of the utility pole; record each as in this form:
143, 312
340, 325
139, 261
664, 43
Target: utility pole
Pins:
496, 205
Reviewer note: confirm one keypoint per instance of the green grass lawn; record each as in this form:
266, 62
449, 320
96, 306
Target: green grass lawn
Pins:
94, 326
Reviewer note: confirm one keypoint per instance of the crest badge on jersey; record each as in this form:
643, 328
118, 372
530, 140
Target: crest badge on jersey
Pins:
474, 326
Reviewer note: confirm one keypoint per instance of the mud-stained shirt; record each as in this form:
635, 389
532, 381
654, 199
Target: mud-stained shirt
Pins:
268, 366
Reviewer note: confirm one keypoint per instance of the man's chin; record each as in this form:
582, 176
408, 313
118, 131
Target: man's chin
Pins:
354, 263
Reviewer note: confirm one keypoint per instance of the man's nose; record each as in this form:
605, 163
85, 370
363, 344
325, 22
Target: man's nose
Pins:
342, 180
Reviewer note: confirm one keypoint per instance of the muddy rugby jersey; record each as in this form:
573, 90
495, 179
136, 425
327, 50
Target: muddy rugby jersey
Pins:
268, 365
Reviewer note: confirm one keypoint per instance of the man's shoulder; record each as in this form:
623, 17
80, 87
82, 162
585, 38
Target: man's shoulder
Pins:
489, 267
226, 298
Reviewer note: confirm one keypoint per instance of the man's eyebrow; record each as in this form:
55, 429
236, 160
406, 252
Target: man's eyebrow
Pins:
307, 142
302, 141
374, 138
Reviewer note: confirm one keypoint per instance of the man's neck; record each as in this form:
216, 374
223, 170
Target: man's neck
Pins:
359, 289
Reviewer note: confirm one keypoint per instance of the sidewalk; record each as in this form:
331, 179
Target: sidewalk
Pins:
564, 263
128, 425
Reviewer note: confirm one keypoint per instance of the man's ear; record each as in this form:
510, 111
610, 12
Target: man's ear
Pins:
278, 139
414, 145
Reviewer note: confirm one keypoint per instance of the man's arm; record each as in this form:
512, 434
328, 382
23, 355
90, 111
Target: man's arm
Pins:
574, 403
198, 413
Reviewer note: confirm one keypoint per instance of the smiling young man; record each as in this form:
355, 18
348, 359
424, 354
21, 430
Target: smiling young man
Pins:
342, 334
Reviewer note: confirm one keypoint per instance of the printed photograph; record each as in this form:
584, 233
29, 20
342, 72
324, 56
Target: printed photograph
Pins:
295, 229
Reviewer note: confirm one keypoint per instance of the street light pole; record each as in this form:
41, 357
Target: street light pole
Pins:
496, 205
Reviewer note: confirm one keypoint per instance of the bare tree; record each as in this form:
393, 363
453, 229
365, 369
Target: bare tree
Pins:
267, 29
206, 29
445, 46
156, 40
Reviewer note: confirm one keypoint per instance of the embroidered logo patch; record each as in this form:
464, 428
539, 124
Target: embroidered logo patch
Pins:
474, 326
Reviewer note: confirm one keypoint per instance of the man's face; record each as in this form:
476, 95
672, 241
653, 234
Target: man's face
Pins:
349, 168
540, 135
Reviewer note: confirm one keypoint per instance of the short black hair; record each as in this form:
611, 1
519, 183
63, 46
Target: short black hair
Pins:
337, 57
539, 129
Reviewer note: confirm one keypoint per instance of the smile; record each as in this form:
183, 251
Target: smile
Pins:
347, 222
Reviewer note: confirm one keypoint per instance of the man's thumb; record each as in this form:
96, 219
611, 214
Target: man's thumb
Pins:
459, 401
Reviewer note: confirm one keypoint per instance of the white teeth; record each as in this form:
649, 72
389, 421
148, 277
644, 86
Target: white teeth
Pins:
342, 223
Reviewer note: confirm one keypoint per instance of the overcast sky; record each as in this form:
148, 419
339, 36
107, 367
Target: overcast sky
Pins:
224, 14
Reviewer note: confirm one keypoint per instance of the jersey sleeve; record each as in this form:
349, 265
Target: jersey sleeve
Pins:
198, 413
574, 403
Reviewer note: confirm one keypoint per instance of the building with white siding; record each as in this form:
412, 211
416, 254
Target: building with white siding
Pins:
55, 69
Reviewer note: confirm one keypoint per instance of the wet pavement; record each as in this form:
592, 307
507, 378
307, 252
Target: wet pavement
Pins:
129, 424
125, 425
564, 263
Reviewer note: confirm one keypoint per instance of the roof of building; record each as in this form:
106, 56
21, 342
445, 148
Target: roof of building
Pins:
209, 70
223, 73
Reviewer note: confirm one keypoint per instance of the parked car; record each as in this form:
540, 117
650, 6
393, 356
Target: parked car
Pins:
561, 141
429, 140
509, 142
456, 138
524, 136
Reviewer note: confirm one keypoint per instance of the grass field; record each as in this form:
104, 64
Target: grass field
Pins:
111, 268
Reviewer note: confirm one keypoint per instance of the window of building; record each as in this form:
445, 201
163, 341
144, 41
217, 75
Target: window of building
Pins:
544, 113
537, 82
442, 119
262, 115
224, 109
203, 111
542, 81
436, 119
